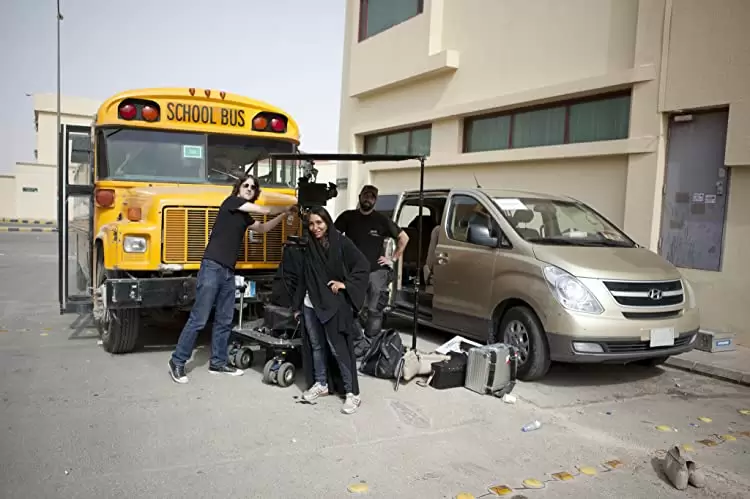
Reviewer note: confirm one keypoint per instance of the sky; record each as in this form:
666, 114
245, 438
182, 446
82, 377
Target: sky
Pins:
285, 52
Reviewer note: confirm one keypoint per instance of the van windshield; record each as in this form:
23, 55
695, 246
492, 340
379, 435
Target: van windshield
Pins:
557, 222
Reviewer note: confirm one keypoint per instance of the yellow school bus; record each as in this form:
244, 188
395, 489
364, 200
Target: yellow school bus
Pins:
139, 191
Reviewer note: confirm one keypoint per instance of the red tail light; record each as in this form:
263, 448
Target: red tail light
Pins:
127, 111
277, 125
105, 198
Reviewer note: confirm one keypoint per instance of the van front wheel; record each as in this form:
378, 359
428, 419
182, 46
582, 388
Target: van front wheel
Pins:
521, 328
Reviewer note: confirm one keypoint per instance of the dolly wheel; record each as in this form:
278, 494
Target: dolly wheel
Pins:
267, 372
231, 352
285, 375
243, 358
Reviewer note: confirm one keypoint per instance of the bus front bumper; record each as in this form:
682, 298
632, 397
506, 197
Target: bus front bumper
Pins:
164, 292
150, 292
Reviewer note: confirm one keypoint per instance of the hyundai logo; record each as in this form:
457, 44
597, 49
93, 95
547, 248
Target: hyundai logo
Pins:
654, 294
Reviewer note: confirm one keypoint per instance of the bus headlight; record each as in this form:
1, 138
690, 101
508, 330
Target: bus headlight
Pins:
134, 244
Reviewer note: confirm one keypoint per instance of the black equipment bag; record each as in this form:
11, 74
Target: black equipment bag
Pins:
449, 373
278, 318
382, 358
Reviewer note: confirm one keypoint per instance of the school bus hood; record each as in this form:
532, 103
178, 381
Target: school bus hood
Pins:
158, 197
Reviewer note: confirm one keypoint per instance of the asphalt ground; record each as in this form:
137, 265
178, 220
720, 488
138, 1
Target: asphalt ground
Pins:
80, 423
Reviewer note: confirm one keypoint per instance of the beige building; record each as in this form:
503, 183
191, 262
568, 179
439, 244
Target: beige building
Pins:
639, 108
30, 191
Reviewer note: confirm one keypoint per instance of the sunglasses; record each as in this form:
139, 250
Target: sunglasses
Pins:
248, 186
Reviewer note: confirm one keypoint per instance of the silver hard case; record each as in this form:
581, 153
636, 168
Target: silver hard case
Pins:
491, 369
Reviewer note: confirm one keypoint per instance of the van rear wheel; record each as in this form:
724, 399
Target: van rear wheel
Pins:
521, 328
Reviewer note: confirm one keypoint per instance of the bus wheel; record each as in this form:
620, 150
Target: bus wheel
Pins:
100, 312
121, 333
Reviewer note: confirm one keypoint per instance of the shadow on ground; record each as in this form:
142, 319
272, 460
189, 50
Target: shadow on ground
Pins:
161, 336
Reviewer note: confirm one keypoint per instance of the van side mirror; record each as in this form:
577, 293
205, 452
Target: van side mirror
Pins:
480, 234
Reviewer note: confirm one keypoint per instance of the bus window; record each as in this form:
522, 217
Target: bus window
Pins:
284, 174
243, 154
153, 155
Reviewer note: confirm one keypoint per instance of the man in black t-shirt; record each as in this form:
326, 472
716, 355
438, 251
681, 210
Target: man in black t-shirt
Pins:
216, 286
368, 229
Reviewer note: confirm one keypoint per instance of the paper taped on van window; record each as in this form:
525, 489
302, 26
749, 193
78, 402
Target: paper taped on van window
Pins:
510, 204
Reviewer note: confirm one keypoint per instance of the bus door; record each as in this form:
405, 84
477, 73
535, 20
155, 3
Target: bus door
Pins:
75, 218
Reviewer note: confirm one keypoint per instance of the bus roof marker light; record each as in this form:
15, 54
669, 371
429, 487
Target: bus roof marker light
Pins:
260, 123
127, 111
222, 94
150, 113
192, 91
207, 92
277, 125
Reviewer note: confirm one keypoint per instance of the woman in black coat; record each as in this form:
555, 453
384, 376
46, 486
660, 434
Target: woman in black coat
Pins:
329, 294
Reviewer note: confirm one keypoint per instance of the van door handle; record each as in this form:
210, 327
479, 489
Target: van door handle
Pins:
442, 258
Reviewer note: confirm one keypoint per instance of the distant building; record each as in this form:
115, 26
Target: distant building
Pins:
639, 108
30, 191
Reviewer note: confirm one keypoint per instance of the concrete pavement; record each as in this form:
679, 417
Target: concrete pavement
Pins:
80, 423
731, 366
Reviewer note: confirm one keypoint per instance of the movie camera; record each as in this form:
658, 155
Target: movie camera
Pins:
311, 193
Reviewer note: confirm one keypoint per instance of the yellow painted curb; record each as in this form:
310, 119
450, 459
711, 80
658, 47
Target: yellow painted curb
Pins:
27, 221
28, 229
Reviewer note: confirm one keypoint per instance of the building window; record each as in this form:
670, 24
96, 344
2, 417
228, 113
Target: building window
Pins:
589, 120
376, 16
29, 189
415, 141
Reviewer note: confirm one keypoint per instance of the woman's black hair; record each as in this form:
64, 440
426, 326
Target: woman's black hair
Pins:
242, 180
322, 213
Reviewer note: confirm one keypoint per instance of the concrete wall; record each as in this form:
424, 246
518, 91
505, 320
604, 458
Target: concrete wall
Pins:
708, 65
41, 204
463, 58
8, 196
42, 174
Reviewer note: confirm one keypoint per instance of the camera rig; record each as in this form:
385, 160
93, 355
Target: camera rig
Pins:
310, 194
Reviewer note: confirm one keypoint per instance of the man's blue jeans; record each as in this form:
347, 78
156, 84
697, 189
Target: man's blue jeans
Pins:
215, 287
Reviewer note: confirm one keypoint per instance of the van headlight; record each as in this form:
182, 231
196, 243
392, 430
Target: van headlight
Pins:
570, 292
134, 244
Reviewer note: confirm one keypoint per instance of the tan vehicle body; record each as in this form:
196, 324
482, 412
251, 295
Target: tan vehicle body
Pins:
509, 284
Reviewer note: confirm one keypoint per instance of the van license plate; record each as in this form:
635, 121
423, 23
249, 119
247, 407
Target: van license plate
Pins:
662, 337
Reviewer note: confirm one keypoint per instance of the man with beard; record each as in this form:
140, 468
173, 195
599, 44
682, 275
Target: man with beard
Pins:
368, 229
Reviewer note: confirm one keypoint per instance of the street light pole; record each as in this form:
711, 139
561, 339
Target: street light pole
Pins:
62, 177
59, 19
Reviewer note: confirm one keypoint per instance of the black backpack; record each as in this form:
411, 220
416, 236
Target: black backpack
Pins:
382, 358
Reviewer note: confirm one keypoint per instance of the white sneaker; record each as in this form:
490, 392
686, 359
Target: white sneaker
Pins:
315, 391
351, 404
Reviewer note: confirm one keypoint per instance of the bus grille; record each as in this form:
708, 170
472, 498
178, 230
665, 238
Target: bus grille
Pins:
186, 232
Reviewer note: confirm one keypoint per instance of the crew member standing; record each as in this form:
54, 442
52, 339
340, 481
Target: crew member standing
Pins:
215, 286
368, 229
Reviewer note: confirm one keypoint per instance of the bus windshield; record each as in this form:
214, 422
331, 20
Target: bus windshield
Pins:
196, 158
